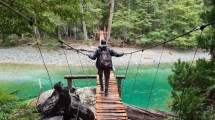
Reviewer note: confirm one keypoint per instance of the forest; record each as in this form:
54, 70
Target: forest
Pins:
133, 22
139, 22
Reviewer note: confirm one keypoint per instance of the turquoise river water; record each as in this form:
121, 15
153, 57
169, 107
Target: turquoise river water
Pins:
135, 88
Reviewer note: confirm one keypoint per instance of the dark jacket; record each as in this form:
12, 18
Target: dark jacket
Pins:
97, 53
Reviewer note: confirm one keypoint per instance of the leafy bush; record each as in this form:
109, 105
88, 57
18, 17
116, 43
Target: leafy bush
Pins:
12, 109
191, 94
88, 42
142, 41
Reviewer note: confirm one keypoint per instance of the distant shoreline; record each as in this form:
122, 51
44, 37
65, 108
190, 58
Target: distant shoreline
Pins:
30, 55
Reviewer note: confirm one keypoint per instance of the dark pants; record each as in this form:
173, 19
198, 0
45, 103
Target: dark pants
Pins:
106, 72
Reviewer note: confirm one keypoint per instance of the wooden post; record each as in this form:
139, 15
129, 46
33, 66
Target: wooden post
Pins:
119, 86
69, 81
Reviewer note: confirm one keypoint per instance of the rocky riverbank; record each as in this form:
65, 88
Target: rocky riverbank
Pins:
31, 55
87, 99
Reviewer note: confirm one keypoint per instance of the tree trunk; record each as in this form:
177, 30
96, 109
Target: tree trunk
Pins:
137, 113
65, 28
58, 33
110, 19
84, 30
70, 32
37, 34
74, 32
83, 22
36, 31
3, 36
212, 52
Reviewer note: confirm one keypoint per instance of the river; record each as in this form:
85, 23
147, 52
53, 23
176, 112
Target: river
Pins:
136, 88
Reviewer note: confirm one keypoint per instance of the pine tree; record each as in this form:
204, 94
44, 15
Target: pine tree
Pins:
193, 93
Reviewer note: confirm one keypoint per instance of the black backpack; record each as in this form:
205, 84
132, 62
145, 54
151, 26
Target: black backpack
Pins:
105, 58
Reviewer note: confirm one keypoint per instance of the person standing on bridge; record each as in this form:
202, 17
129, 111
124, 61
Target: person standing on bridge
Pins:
104, 63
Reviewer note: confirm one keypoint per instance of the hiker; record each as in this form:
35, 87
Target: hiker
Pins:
104, 63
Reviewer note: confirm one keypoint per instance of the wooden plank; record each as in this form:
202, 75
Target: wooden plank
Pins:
112, 114
108, 118
109, 107
79, 76
108, 101
88, 76
110, 111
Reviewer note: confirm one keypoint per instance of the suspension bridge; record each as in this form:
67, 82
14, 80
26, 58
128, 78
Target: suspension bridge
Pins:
107, 107
111, 106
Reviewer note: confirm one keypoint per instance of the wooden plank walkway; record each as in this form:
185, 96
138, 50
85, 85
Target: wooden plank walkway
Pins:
109, 107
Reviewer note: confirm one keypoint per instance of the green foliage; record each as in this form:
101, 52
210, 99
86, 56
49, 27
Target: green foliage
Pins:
124, 23
194, 86
182, 16
12, 109
88, 42
155, 21
142, 41
190, 89
207, 41
140, 21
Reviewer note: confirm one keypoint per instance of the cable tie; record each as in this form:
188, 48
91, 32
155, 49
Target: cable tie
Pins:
202, 27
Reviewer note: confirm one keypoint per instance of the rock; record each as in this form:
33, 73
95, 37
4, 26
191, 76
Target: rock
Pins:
87, 96
54, 103
51, 118
44, 96
87, 100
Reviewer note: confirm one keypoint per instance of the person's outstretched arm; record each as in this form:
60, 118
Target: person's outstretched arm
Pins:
94, 55
114, 53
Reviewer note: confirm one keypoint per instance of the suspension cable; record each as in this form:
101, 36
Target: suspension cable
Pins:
155, 76
54, 36
201, 27
68, 65
30, 21
182, 94
126, 72
50, 34
67, 62
63, 49
82, 66
195, 53
136, 77
43, 60
128, 65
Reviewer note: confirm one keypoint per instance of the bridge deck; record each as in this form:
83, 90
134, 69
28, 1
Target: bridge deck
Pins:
109, 107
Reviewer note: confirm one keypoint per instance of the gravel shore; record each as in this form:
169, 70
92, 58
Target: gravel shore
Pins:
31, 55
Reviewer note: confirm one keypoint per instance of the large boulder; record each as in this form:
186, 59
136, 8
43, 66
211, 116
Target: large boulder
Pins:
87, 96
81, 106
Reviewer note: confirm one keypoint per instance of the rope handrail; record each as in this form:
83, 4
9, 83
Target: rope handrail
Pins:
201, 27
155, 77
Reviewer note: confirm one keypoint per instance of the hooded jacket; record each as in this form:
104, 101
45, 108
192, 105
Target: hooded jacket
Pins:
97, 53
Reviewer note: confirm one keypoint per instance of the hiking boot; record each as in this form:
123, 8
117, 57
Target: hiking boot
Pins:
106, 92
102, 89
